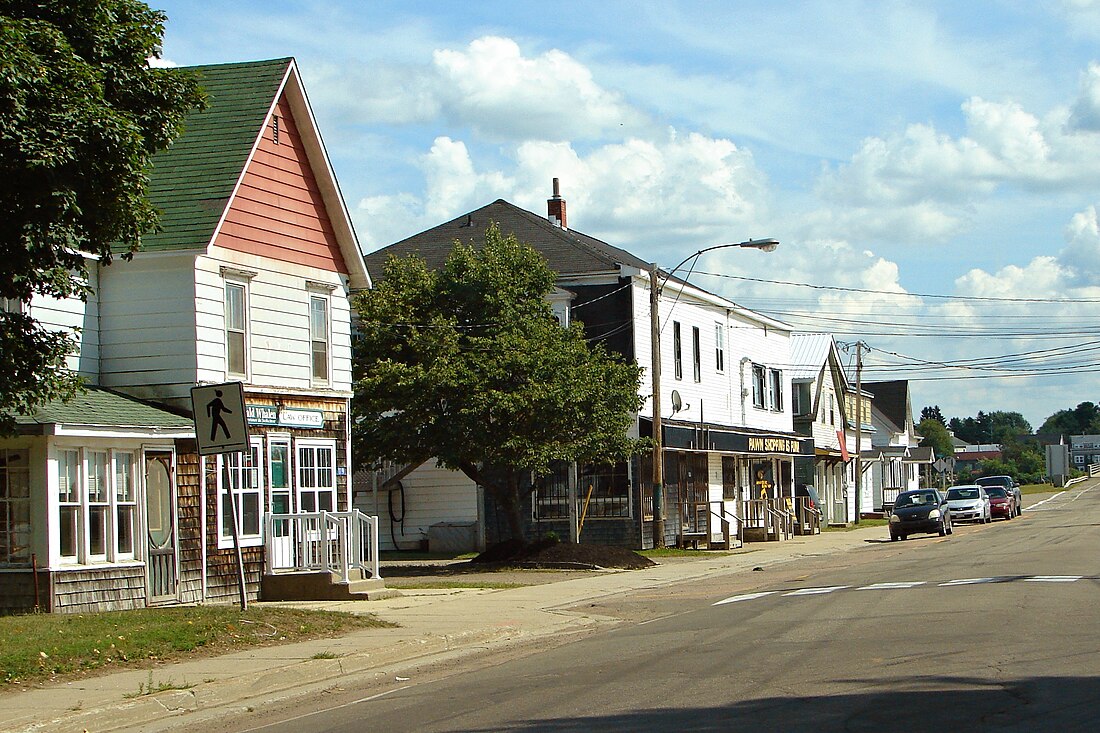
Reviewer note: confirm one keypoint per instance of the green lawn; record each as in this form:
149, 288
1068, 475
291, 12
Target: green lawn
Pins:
38, 647
1039, 488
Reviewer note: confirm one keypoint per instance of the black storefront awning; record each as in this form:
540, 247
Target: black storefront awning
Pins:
695, 436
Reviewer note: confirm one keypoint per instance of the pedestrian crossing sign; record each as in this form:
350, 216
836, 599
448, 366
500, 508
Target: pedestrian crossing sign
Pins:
220, 422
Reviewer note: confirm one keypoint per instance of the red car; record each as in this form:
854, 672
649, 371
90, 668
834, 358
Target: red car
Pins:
1001, 503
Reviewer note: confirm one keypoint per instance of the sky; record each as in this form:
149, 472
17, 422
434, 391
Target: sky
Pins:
931, 169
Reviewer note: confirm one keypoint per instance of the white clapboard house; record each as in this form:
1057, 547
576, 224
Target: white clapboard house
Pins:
104, 501
725, 402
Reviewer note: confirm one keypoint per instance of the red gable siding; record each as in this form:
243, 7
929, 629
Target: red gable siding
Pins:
278, 211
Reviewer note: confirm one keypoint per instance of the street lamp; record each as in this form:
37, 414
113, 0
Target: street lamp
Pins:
656, 283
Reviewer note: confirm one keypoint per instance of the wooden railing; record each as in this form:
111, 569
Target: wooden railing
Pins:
807, 518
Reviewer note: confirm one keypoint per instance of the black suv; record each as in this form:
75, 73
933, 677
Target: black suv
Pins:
1008, 484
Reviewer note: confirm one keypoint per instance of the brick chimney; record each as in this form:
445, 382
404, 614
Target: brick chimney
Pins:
555, 207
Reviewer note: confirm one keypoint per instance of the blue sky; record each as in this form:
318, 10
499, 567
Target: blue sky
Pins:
931, 169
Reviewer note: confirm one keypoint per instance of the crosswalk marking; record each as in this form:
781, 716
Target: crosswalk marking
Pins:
746, 597
816, 591
892, 586
822, 590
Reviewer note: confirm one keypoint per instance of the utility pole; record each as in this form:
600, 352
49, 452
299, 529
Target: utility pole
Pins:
655, 402
859, 427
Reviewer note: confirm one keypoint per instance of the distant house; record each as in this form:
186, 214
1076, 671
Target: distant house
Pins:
819, 395
1084, 450
104, 502
725, 401
970, 457
895, 457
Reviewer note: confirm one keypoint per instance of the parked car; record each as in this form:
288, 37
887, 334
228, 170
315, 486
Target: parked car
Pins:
1008, 483
921, 511
1002, 503
969, 503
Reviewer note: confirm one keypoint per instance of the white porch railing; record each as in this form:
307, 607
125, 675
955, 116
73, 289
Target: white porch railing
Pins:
337, 542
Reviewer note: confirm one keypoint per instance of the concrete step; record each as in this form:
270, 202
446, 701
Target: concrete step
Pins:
322, 586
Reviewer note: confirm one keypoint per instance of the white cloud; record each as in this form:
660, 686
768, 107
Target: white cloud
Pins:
661, 194
491, 88
1086, 110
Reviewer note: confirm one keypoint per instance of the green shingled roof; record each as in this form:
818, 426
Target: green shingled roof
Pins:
192, 180
103, 408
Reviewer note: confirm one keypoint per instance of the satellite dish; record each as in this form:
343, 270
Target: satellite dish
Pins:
677, 403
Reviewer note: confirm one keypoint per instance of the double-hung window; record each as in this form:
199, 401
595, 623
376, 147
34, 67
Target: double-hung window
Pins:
316, 475
758, 387
245, 473
719, 348
96, 505
677, 352
15, 507
236, 328
696, 355
775, 390
319, 339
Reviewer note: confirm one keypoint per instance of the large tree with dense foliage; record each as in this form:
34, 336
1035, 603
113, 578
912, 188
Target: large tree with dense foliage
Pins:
935, 434
81, 114
934, 412
468, 365
990, 427
1081, 420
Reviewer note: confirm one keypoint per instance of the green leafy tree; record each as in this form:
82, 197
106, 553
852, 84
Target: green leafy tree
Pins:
1006, 426
467, 364
81, 114
935, 434
1081, 420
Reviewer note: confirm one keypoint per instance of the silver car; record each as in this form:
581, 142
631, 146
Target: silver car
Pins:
969, 503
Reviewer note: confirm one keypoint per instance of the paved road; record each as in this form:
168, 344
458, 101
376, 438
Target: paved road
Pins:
994, 628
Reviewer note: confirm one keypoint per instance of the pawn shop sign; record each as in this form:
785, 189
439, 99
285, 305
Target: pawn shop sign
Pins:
220, 424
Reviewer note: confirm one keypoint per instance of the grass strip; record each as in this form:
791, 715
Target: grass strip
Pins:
39, 647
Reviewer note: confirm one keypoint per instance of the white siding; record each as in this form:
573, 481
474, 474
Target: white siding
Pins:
432, 495
278, 314
148, 325
79, 318
719, 397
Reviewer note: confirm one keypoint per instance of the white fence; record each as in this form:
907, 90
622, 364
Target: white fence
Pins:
337, 542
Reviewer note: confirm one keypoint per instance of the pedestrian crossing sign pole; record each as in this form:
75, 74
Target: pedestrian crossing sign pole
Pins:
221, 427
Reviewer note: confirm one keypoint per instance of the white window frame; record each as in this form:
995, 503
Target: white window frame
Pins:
11, 305
70, 501
97, 503
245, 329
84, 504
775, 389
720, 348
238, 469
677, 352
127, 501
308, 475
759, 386
696, 355
326, 303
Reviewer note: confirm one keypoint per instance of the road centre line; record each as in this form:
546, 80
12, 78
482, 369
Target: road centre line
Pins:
969, 581
745, 597
892, 586
1053, 578
816, 591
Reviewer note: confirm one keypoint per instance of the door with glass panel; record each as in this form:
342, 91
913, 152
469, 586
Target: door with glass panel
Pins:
281, 541
160, 502
316, 493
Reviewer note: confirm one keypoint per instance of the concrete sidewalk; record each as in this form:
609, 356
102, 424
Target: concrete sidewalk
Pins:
433, 624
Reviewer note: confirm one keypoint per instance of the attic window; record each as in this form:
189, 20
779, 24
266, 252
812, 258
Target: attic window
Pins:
275, 129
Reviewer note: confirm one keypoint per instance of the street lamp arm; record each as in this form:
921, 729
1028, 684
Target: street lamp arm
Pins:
766, 245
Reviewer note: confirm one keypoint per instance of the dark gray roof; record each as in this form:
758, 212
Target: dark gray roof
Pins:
891, 400
566, 251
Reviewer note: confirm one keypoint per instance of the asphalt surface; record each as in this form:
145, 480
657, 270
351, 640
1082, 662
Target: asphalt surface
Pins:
651, 650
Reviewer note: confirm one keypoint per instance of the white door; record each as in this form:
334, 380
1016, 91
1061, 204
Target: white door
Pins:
160, 513
281, 542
